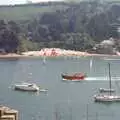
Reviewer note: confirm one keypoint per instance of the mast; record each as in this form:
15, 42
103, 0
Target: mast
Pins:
109, 78
87, 113
91, 63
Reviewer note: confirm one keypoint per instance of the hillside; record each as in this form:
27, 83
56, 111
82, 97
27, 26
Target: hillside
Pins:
28, 11
67, 25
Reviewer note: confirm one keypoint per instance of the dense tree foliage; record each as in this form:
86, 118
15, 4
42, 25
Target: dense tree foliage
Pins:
78, 26
9, 36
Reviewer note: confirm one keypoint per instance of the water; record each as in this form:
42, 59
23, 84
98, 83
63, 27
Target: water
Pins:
70, 100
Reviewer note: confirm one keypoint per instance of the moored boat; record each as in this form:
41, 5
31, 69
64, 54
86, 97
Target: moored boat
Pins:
74, 77
107, 97
30, 87
102, 90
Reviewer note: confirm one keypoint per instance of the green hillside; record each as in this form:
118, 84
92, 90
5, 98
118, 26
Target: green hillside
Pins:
67, 25
28, 11
25, 12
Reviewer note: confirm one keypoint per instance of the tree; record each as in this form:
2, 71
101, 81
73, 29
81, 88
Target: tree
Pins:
8, 37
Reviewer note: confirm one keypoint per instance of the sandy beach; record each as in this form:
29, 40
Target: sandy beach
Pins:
51, 52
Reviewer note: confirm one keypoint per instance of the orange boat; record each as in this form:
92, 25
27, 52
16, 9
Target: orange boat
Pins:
74, 77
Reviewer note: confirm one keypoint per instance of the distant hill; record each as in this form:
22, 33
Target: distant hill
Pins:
31, 10
28, 11
67, 25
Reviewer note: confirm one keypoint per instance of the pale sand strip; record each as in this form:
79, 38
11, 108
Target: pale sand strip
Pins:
50, 53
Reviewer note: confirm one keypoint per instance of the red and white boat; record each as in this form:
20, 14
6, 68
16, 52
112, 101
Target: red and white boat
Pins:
74, 77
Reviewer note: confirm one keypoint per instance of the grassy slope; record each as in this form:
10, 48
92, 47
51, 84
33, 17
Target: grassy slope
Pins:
25, 12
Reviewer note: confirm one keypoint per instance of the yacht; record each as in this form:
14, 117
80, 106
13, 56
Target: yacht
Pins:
27, 87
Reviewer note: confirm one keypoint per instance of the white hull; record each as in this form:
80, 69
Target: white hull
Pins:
26, 87
72, 80
107, 98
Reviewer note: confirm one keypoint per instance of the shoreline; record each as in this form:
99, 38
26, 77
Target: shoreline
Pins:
17, 56
54, 52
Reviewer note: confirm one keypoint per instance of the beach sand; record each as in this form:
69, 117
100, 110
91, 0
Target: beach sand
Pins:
52, 52
17, 56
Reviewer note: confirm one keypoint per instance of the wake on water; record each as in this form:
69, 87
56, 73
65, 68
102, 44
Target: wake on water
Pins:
95, 79
102, 78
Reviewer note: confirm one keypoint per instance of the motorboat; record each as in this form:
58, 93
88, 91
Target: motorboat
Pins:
102, 90
27, 87
74, 77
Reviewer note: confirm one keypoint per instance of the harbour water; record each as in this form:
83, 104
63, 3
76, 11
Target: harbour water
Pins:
64, 100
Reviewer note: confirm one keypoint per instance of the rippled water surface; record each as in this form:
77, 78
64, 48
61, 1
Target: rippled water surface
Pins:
64, 100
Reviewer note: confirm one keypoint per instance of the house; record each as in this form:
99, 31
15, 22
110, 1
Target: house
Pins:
105, 47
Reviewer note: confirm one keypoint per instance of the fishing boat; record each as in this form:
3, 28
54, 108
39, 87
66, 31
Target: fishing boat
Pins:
30, 87
107, 97
74, 77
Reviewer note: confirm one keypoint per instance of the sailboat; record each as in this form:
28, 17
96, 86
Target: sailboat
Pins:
104, 90
107, 97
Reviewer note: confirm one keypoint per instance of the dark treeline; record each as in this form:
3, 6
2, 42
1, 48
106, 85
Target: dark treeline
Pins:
77, 27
